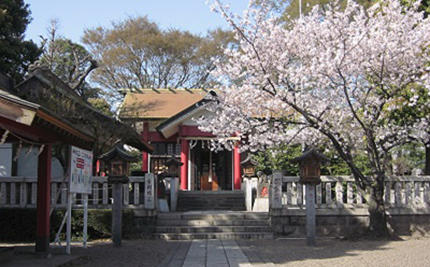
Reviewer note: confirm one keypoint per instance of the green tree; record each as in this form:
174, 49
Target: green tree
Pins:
16, 54
278, 158
136, 53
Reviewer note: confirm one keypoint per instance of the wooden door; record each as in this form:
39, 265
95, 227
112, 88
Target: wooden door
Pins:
208, 178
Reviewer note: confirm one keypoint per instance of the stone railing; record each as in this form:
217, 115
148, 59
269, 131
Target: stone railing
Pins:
21, 192
407, 193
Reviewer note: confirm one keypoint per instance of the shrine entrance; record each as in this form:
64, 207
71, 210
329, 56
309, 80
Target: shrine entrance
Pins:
210, 170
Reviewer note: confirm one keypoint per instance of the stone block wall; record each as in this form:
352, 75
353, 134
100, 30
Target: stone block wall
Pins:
328, 224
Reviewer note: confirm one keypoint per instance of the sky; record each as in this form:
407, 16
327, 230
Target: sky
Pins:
75, 16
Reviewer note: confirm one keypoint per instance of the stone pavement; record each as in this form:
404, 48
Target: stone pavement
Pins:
209, 253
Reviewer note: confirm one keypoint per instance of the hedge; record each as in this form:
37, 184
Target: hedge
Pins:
19, 225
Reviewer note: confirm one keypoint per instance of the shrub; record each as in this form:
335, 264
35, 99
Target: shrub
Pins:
19, 225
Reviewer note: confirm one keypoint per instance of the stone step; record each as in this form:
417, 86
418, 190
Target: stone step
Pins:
212, 229
211, 193
211, 215
225, 224
212, 223
223, 236
187, 207
211, 200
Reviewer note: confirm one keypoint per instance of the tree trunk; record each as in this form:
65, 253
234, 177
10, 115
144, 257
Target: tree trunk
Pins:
427, 161
378, 217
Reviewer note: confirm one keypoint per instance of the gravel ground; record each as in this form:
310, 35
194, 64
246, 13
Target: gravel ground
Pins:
99, 253
287, 252
280, 252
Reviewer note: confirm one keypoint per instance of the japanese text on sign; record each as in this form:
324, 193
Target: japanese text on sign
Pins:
80, 170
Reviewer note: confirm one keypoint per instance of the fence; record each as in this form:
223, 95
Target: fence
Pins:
341, 192
21, 192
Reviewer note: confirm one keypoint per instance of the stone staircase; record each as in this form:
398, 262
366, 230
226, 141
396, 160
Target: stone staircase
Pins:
213, 225
211, 200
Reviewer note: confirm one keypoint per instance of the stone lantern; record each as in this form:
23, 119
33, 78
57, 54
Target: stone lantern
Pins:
170, 178
310, 175
310, 166
117, 161
173, 167
248, 166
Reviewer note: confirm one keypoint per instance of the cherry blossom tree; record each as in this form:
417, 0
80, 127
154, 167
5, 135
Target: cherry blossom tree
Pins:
332, 77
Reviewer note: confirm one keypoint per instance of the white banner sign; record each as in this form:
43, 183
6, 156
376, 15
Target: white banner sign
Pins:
81, 170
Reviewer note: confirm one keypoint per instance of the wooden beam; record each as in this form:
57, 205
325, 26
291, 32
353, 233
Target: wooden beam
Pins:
63, 126
29, 132
193, 131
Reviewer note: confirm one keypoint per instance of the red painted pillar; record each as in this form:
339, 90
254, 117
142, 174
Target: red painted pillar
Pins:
145, 137
236, 160
184, 167
43, 199
98, 168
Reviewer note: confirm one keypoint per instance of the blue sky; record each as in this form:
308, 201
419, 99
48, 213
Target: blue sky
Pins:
77, 15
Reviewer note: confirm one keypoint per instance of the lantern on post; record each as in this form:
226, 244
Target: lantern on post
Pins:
310, 166
248, 166
310, 175
117, 162
173, 167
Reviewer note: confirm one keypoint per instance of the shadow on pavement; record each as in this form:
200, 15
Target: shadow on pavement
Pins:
283, 251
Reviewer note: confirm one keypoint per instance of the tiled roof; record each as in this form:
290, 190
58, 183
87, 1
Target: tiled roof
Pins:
159, 103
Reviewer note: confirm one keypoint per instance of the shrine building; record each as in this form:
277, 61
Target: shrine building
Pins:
166, 120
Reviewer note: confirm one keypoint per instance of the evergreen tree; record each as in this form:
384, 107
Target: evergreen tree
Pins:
15, 53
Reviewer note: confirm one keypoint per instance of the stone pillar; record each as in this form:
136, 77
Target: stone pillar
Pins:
117, 185
174, 193
310, 214
276, 190
43, 199
236, 160
184, 167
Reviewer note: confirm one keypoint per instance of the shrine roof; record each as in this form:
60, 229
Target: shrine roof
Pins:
159, 103
118, 152
33, 122
43, 87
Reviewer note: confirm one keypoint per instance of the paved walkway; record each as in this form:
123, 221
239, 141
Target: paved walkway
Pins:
208, 253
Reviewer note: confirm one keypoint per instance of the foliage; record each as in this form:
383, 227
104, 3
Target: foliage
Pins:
414, 111
136, 53
16, 54
278, 158
136, 165
408, 157
424, 5
20, 224
101, 105
325, 81
336, 166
